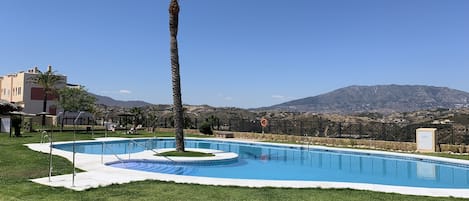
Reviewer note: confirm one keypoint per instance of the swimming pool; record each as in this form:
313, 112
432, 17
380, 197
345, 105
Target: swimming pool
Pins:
263, 161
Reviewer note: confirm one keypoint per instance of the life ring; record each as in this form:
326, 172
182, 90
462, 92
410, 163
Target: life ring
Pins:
264, 122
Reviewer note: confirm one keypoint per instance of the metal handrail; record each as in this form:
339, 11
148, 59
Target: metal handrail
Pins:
44, 136
50, 154
112, 152
144, 146
135, 142
122, 160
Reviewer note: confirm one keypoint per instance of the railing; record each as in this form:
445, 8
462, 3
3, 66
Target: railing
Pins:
128, 151
319, 127
44, 136
145, 147
103, 147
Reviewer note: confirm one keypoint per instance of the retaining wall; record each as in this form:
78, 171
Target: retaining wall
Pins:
343, 142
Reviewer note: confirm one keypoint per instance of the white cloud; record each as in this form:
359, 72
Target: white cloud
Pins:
282, 97
226, 98
106, 92
122, 91
278, 97
125, 91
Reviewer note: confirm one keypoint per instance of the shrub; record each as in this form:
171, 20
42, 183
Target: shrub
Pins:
16, 124
205, 128
352, 142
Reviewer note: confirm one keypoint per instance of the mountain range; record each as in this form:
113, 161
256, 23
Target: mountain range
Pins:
108, 101
379, 98
355, 99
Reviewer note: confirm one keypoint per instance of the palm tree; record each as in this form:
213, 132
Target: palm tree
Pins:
47, 80
176, 78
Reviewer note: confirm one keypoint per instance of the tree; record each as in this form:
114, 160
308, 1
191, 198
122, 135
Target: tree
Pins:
94, 110
48, 81
75, 100
206, 128
7, 107
176, 77
16, 121
138, 116
213, 120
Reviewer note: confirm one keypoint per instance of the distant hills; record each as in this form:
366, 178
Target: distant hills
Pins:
104, 100
355, 99
379, 98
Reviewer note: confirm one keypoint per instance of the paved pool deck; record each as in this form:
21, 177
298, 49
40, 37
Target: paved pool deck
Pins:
97, 174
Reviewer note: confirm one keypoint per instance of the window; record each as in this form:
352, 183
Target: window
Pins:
19, 90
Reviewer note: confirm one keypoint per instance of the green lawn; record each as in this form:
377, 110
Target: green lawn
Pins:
448, 155
18, 164
185, 154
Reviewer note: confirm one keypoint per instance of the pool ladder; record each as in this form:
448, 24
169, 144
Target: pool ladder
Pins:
103, 147
146, 148
44, 137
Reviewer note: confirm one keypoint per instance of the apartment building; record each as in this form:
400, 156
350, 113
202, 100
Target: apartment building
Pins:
21, 90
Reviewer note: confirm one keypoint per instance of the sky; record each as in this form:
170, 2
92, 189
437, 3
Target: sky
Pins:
239, 53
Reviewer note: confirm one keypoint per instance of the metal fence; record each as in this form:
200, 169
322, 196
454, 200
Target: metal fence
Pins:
447, 133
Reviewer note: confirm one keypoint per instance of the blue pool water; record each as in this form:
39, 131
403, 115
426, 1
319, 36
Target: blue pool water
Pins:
271, 162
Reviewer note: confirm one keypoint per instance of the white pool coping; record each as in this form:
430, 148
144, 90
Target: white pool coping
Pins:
98, 174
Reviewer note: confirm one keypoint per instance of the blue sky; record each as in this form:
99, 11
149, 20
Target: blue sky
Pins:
242, 53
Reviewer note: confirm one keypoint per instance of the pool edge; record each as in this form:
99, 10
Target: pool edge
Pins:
99, 174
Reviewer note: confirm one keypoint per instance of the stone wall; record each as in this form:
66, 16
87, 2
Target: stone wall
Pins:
336, 142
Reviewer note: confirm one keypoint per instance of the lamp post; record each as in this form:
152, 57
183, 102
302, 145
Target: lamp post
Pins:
74, 139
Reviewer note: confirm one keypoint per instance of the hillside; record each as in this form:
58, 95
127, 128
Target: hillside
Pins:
380, 98
104, 100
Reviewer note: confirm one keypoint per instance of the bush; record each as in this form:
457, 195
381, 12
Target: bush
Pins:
206, 128
16, 124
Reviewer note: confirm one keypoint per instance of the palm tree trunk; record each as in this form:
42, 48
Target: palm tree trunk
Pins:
176, 78
44, 107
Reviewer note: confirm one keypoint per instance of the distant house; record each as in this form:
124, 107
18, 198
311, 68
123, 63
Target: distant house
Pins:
19, 89
446, 121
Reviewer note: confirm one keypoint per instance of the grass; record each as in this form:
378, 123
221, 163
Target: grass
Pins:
18, 164
448, 155
185, 154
